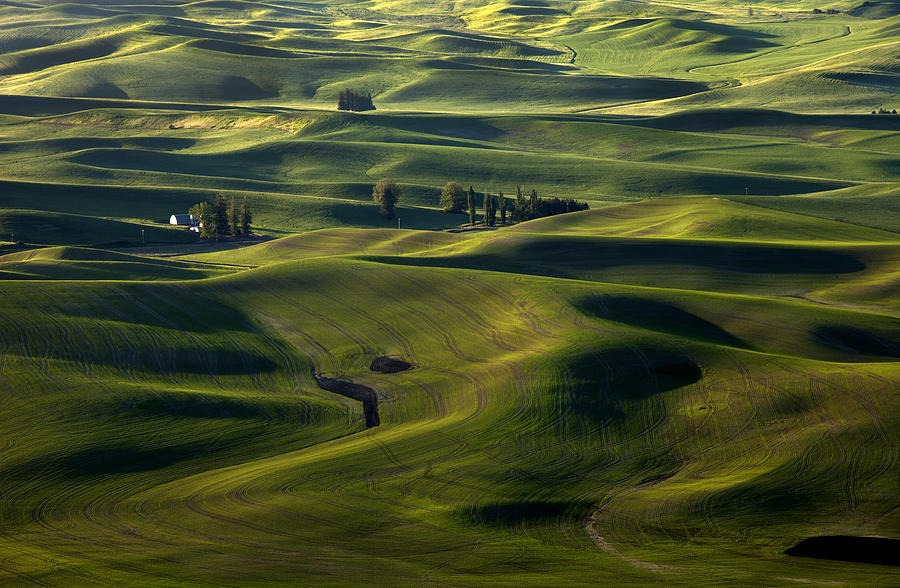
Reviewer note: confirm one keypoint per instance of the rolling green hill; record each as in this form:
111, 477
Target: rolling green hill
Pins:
76, 263
550, 428
674, 387
179, 101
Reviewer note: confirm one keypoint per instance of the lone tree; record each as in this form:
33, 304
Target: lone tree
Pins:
502, 208
203, 212
470, 200
234, 221
246, 218
352, 100
221, 215
453, 198
386, 194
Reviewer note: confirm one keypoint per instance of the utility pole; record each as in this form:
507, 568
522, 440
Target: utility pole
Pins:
398, 222
143, 241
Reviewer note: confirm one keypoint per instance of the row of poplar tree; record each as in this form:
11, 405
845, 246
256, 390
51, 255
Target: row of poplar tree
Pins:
455, 199
223, 218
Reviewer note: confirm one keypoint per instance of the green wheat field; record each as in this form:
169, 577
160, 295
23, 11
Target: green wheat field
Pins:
674, 387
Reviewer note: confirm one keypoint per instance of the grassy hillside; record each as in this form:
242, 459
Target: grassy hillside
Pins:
703, 218
550, 427
673, 387
310, 169
75, 263
176, 102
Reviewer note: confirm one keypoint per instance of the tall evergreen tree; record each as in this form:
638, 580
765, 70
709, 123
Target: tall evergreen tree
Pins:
486, 209
492, 218
502, 208
470, 200
532, 205
521, 208
234, 221
246, 218
221, 215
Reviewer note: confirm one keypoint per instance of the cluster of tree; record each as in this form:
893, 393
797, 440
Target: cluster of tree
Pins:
883, 110
455, 199
352, 100
536, 207
223, 218
386, 194
827, 11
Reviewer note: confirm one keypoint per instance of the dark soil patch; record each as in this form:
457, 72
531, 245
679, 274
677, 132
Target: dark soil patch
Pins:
389, 365
355, 391
874, 550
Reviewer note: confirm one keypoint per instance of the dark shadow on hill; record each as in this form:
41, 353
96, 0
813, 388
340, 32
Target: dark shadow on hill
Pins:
510, 87
658, 316
469, 128
127, 459
721, 38
884, 82
241, 88
293, 25
188, 405
724, 119
155, 305
598, 384
48, 106
769, 496
242, 49
197, 406
855, 340
632, 373
88, 271
532, 11
871, 550
480, 63
876, 9
573, 256
164, 359
59, 228
528, 512
104, 89
193, 360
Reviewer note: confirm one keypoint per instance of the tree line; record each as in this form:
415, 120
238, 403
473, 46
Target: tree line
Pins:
223, 218
455, 199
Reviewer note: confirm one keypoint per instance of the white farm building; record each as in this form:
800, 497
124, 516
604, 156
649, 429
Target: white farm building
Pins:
185, 220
